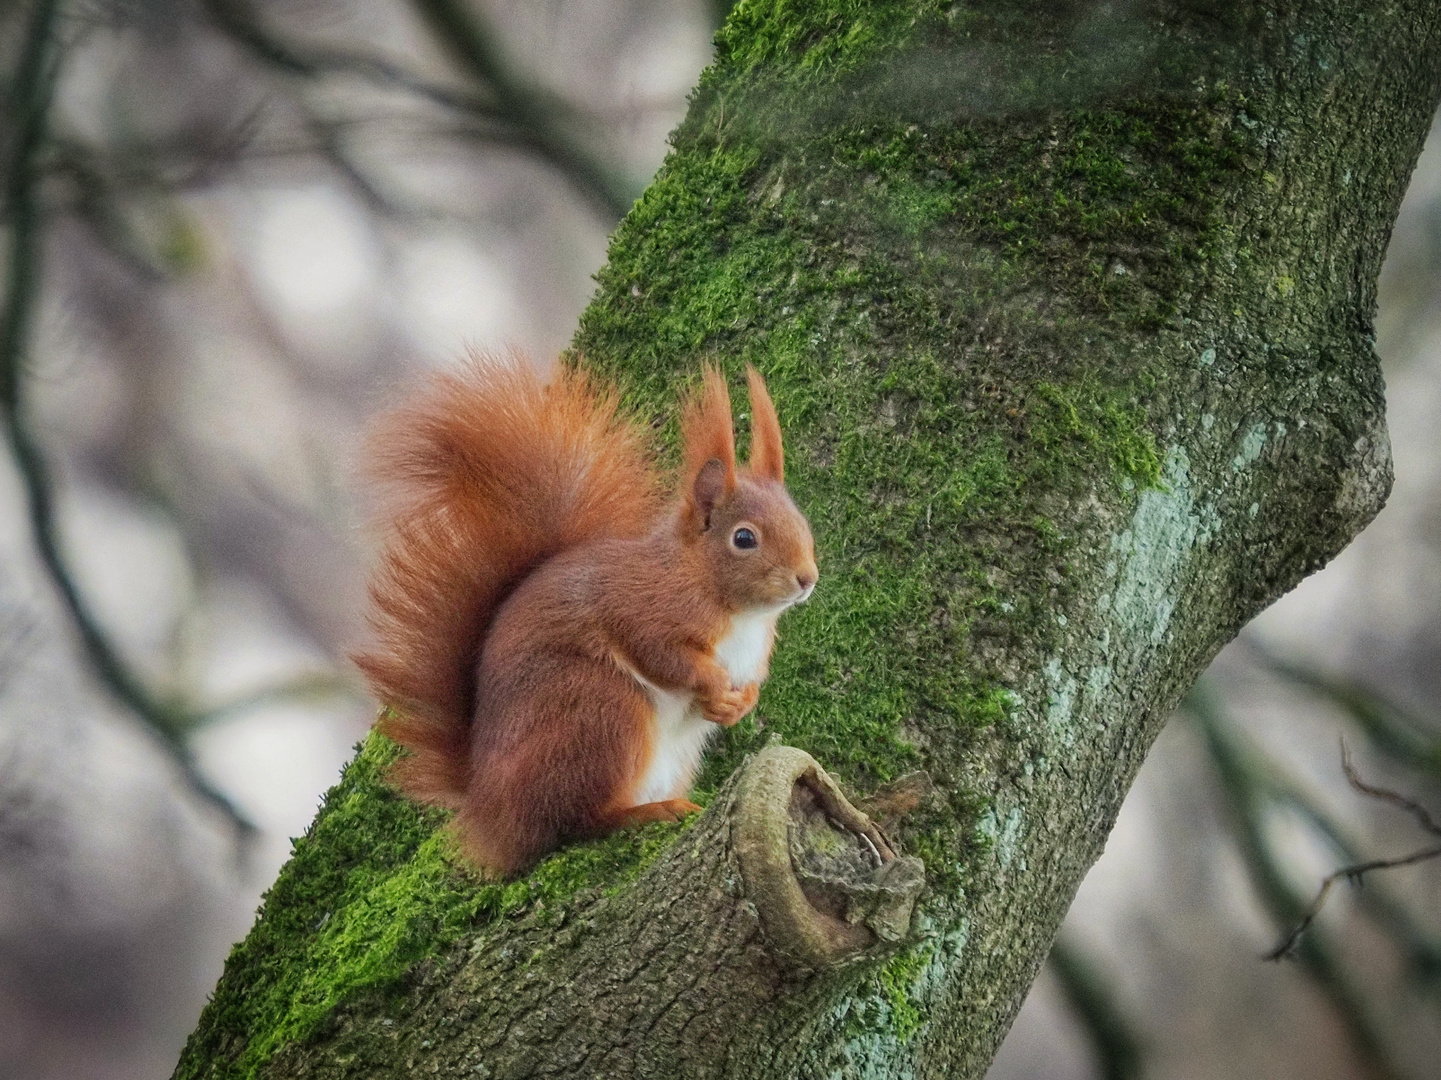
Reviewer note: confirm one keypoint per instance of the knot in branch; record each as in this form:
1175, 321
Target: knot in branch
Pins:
826, 883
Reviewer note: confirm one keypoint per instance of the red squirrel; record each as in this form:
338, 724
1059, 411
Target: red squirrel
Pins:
556, 641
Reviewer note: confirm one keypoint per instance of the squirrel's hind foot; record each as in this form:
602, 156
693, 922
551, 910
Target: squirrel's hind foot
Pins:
645, 813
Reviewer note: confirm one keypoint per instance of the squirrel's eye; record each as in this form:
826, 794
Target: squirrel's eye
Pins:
744, 539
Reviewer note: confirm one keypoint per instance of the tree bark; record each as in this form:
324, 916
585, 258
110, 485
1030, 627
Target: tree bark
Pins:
1067, 312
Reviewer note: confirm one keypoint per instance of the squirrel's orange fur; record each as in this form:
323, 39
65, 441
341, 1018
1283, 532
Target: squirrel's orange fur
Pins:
554, 643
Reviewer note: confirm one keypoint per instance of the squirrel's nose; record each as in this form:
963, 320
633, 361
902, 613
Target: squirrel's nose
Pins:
806, 581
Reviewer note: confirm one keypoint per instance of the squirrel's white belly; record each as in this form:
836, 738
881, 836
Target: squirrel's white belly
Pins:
677, 742
681, 732
744, 651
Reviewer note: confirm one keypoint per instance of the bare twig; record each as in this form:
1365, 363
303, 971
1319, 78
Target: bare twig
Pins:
1355, 873
1411, 806
1241, 777
1402, 736
238, 21
1422, 950
333, 150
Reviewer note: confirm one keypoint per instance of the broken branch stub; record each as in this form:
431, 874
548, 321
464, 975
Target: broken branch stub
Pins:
827, 885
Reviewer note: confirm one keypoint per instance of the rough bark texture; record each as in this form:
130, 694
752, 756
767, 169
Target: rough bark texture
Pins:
1067, 312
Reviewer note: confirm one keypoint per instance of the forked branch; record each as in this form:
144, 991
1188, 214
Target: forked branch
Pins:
1356, 872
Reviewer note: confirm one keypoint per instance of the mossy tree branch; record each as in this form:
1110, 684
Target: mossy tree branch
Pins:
1067, 312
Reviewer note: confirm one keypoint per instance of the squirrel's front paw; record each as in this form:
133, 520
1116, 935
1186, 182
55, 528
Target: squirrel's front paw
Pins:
731, 705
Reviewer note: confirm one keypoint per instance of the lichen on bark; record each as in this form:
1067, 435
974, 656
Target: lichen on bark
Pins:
1066, 311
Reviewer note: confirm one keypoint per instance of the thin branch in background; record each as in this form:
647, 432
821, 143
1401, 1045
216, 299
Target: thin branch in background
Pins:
1394, 730
1246, 779
529, 111
1356, 872
1403, 737
314, 686
513, 113
31, 96
1411, 806
1093, 1002
238, 21
101, 186
333, 150
1420, 947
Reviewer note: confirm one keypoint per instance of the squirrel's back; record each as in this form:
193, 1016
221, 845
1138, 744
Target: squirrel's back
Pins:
490, 472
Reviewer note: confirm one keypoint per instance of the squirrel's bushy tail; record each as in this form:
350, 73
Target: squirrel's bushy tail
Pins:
489, 472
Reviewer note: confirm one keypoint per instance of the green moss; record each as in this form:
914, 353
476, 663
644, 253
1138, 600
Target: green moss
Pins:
890, 1006
915, 207
1095, 421
369, 892
897, 981
816, 37
1115, 199
388, 922
1000, 56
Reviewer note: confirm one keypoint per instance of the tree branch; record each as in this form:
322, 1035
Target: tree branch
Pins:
530, 113
238, 21
319, 685
1023, 319
1422, 951
736, 900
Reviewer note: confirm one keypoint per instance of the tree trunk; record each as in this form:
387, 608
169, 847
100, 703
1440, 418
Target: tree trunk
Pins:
1067, 313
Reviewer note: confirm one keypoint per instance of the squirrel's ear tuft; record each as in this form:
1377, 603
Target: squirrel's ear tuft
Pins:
710, 445
767, 456
707, 490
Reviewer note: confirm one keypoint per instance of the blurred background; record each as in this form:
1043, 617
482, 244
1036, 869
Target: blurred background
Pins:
242, 225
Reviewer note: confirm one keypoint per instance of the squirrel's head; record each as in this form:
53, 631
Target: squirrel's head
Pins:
741, 518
